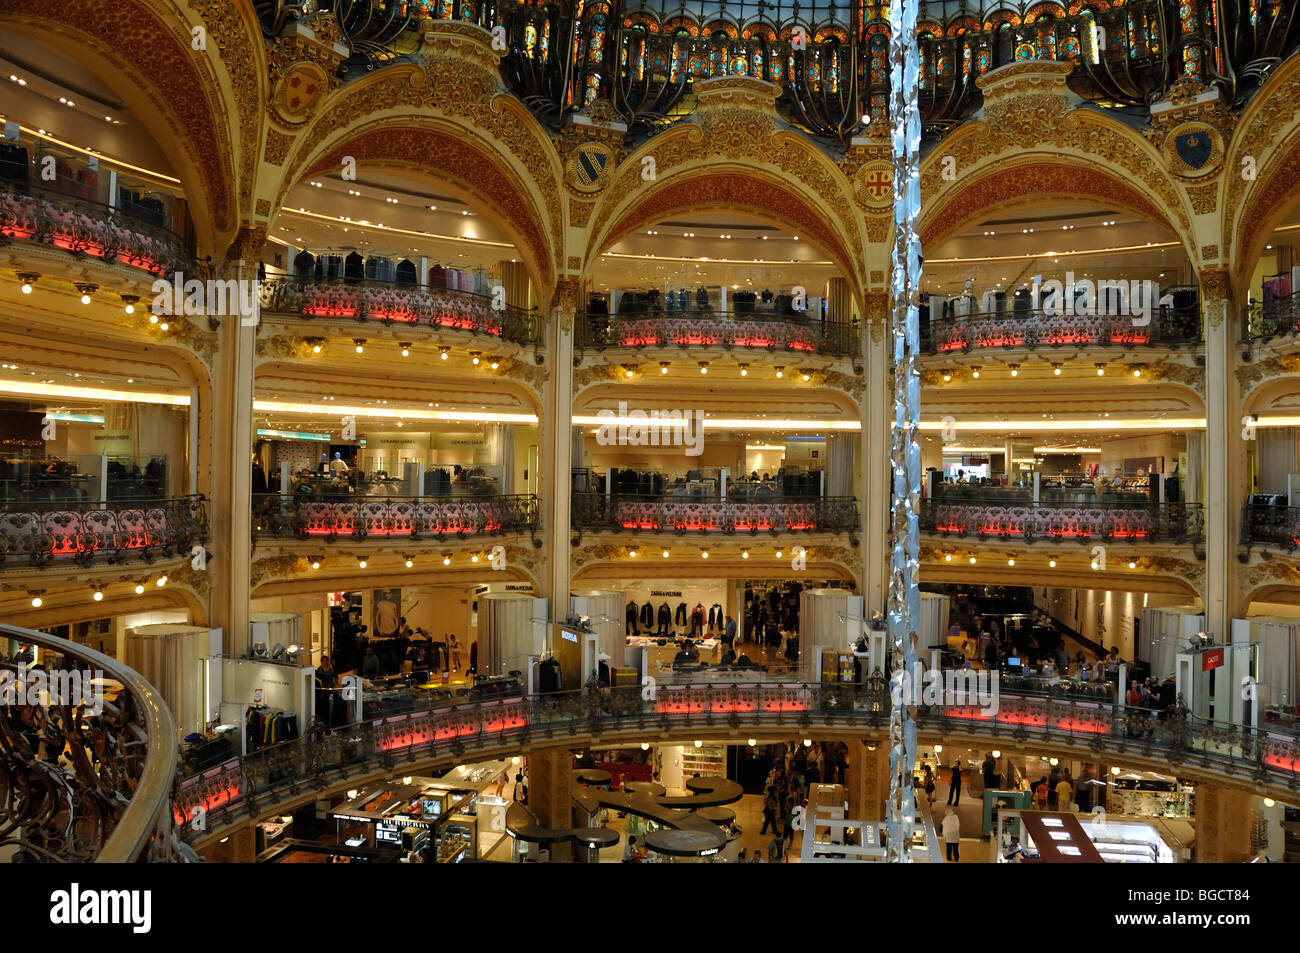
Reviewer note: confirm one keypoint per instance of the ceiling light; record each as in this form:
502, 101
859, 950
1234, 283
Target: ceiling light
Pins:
28, 278
442, 352
948, 558
361, 562
474, 558
446, 559
744, 370
665, 554
780, 371
806, 378
315, 564
406, 350
1015, 370
663, 367
1011, 562
315, 348
645, 746
1051, 563
162, 581
409, 562
975, 372
1056, 369
1132, 565
972, 560
778, 554
704, 554
807, 742
946, 377
86, 291
704, 367
1137, 371
36, 602
627, 371
1101, 370
476, 355
494, 365
98, 595
744, 554
698, 743
360, 343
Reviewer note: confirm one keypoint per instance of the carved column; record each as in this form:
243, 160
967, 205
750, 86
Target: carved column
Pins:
875, 410
1222, 825
226, 420
556, 444
550, 795
867, 780
1225, 453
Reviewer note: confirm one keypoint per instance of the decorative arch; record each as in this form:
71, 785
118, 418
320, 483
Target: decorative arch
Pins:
458, 157
1269, 135
201, 109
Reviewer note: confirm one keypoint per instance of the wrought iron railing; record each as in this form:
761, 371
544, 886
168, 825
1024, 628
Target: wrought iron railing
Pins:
367, 299
1266, 320
380, 518
1027, 520
114, 532
86, 228
596, 512
255, 783
82, 778
1271, 525
1030, 328
764, 330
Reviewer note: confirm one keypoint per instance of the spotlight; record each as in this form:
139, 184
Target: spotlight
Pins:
1133, 565
627, 370
164, 326
360, 343
948, 558
36, 602
28, 278
1015, 370
86, 291
162, 581
665, 554
409, 562
699, 743
806, 378
704, 367
98, 595
946, 377
780, 372
1056, 369
744, 370
972, 560
704, 554
1051, 563
663, 367
1101, 370
139, 589
975, 372
938, 749
645, 746
406, 350
474, 558
315, 348
744, 554
1137, 371
446, 559
752, 742
494, 365
443, 352
1011, 562
361, 561
807, 742
476, 355
631, 554
1093, 564
129, 302
778, 554
1114, 770
315, 563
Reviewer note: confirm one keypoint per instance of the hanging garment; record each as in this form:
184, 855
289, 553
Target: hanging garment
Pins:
647, 616
549, 676
665, 616
630, 628
716, 616
679, 618
697, 621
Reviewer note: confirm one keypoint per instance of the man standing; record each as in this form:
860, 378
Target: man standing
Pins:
1064, 793
951, 836
729, 632
954, 784
990, 773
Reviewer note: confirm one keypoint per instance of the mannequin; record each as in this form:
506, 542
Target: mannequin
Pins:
338, 465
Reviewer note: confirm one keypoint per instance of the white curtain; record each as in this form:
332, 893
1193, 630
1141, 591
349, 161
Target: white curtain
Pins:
1277, 457
1279, 656
841, 452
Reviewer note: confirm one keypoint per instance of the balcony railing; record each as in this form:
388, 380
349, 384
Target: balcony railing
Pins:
410, 518
1274, 525
86, 228
367, 299
1167, 327
770, 331
1270, 755
595, 512
1026, 520
85, 533
106, 797
1267, 320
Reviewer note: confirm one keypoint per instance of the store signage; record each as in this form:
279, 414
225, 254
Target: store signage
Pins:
1211, 660
665, 592
569, 636
711, 851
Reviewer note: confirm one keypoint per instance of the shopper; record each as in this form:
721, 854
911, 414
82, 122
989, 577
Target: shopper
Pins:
729, 632
1134, 694
954, 783
741, 858
370, 664
928, 782
769, 811
990, 772
629, 851
1064, 793
454, 646
1040, 793
326, 677
952, 836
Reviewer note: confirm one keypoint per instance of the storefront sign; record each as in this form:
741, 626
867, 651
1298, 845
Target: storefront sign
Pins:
665, 592
1211, 660
568, 636
112, 443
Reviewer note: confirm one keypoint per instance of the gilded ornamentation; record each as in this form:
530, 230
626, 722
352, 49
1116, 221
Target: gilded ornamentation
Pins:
1204, 198
877, 277
579, 212
526, 371
263, 208
1272, 572
873, 184
1177, 373
593, 374
1194, 150
575, 262
1216, 295
564, 301
277, 567
878, 228
588, 167
850, 384
277, 148
302, 72
281, 346
1209, 253
1250, 376
248, 244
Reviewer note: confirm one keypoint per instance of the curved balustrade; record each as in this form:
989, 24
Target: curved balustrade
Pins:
1129, 522
1271, 525
1267, 320
1165, 327
388, 302
113, 532
768, 330
393, 518
84, 776
595, 512
88, 228
258, 781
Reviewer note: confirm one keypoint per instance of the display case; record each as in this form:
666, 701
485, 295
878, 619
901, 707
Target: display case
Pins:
707, 761
1153, 799
457, 840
